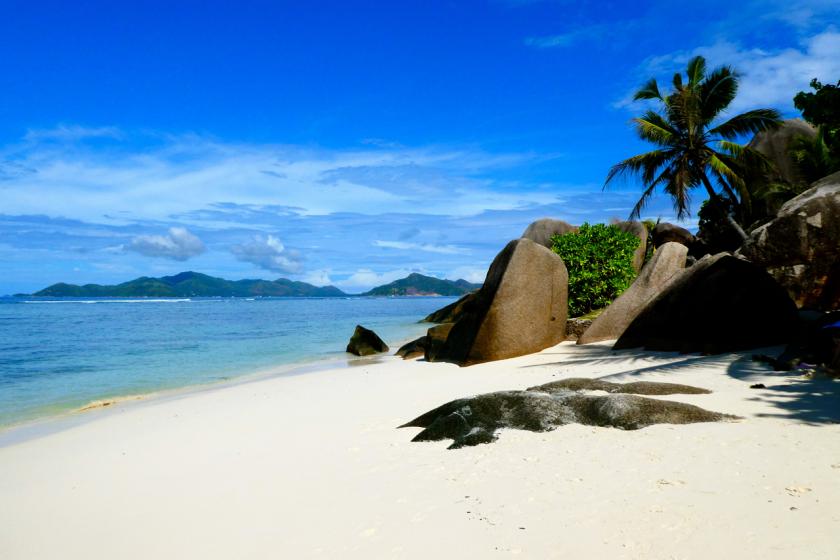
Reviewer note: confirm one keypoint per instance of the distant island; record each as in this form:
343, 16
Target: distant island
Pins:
195, 284
419, 285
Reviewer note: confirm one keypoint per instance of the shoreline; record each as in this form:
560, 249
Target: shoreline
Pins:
312, 466
46, 424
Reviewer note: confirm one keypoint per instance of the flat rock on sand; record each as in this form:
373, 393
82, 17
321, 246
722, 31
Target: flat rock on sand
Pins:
667, 263
475, 420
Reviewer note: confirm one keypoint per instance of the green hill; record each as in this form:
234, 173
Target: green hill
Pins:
420, 285
192, 284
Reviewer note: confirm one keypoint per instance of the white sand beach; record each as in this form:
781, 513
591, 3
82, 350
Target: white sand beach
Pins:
311, 466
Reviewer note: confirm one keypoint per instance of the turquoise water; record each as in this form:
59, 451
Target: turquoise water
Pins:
59, 355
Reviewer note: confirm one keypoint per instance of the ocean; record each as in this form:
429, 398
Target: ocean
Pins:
59, 355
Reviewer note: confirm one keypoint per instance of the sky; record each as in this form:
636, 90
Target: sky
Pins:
345, 142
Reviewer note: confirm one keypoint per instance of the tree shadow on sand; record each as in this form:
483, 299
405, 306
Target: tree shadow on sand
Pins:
813, 401
810, 400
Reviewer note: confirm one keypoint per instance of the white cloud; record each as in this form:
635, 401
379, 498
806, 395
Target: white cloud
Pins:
70, 133
364, 279
770, 78
179, 244
427, 247
268, 253
474, 274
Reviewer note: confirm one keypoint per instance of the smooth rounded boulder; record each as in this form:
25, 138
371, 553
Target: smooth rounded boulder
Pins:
721, 304
543, 229
664, 267
664, 232
800, 247
365, 342
640, 231
775, 146
521, 308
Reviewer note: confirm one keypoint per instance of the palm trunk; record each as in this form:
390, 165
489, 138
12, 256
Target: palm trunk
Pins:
714, 196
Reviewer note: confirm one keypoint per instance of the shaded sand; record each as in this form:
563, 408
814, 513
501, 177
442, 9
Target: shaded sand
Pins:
312, 466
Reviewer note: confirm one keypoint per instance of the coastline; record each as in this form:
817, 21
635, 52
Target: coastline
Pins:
312, 466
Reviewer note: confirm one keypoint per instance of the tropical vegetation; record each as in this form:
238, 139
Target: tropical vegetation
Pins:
599, 260
694, 149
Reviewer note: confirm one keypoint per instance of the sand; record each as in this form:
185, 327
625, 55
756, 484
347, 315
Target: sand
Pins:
311, 466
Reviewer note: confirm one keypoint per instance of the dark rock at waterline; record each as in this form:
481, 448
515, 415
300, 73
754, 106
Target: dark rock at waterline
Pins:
414, 349
452, 312
800, 247
475, 420
542, 230
365, 342
720, 304
521, 308
436, 340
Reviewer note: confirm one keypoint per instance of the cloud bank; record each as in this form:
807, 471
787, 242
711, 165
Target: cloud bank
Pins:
178, 244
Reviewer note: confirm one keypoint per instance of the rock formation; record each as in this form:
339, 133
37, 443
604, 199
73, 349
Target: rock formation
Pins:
664, 232
475, 420
414, 349
365, 342
720, 304
775, 146
639, 230
801, 246
542, 230
521, 309
666, 264
452, 312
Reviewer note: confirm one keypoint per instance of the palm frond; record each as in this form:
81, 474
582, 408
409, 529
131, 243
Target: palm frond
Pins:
696, 70
643, 164
654, 128
750, 122
648, 91
635, 214
717, 91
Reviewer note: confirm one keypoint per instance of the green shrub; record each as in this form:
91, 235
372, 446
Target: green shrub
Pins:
599, 259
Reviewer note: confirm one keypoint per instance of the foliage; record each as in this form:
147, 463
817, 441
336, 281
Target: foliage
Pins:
813, 156
693, 147
599, 259
714, 230
822, 109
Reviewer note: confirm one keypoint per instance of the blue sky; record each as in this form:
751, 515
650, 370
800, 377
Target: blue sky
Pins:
346, 142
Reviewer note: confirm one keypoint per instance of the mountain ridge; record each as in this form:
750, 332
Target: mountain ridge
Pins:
196, 284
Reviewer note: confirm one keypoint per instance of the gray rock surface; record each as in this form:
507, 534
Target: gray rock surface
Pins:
663, 268
452, 312
475, 420
775, 144
664, 232
542, 230
800, 248
365, 342
721, 304
522, 308
639, 230
414, 349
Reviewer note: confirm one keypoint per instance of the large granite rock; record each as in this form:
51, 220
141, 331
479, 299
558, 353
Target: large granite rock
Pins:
365, 342
801, 246
436, 340
640, 231
476, 420
542, 230
664, 267
720, 304
414, 349
664, 233
775, 146
451, 312
521, 309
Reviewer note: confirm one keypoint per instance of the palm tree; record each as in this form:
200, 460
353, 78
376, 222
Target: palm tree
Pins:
692, 147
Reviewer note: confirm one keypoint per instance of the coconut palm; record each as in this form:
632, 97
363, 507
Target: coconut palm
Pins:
694, 149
